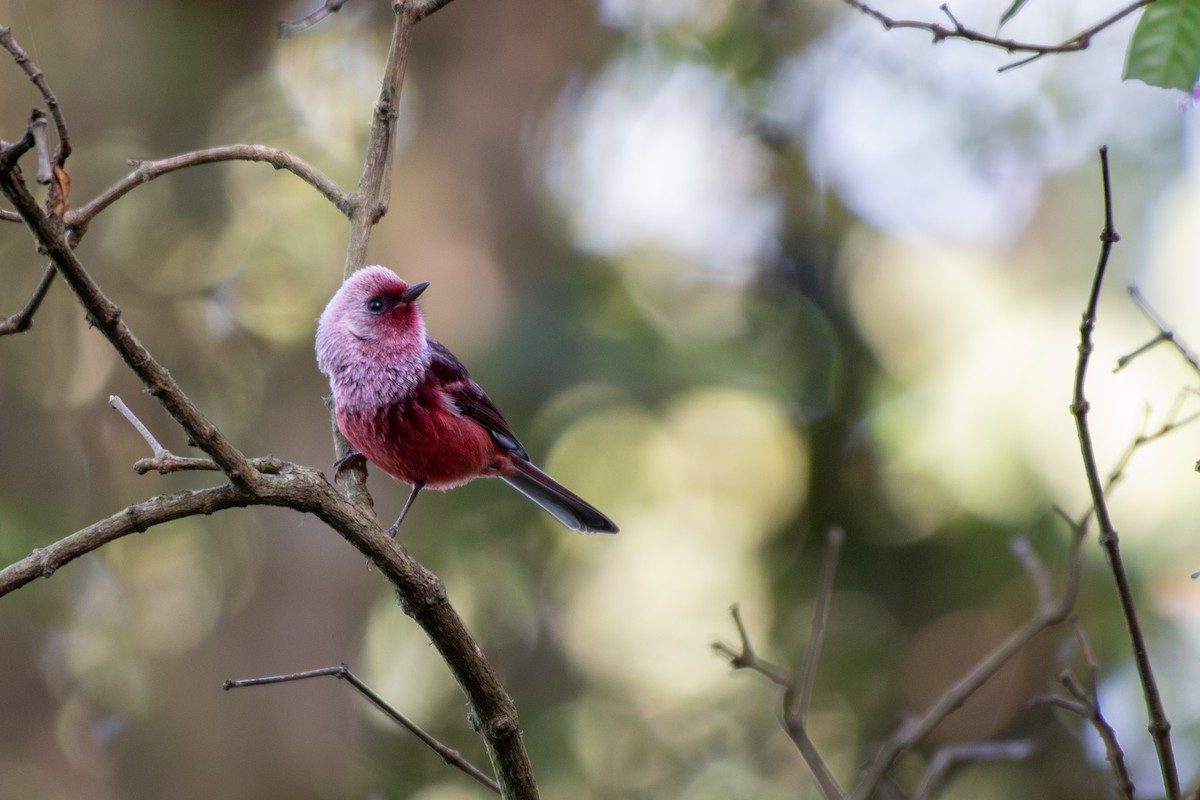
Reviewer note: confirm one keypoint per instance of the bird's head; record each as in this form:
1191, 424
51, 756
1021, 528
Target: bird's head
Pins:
373, 308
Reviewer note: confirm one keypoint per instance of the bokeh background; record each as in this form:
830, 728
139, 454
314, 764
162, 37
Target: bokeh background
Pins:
737, 272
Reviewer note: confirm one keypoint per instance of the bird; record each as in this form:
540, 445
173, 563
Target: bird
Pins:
409, 406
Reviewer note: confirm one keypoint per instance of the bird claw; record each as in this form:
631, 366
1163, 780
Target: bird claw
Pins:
351, 459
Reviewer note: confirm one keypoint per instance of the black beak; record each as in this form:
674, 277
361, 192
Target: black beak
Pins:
413, 292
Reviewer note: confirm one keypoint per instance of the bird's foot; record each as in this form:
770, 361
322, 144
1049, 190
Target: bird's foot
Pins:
351, 459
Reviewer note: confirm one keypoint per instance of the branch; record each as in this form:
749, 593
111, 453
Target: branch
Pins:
948, 757
796, 711
1050, 612
290, 27
957, 30
342, 672
39, 80
747, 659
421, 594
798, 688
1086, 704
106, 316
22, 320
373, 195
45, 561
1165, 334
146, 171
370, 202
1160, 727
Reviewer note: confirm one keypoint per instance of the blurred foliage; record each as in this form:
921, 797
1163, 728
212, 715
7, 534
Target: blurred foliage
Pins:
1165, 49
736, 272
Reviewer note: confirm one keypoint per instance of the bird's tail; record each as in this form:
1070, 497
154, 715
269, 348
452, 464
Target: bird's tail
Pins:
567, 507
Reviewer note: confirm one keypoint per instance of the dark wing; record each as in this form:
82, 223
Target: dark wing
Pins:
472, 402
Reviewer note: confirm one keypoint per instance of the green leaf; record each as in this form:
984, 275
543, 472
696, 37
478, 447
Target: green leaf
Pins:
1011, 12
1165, 49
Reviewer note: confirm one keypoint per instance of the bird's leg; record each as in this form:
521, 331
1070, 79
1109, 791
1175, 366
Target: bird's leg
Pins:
416, 487
351, 459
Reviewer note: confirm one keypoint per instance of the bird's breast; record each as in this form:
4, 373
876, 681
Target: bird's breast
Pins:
421, 437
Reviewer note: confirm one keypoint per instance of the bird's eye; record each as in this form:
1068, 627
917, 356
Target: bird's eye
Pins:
376, 305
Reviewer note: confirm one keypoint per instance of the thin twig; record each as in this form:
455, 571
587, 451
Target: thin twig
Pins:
164, 461
291, 27
1085, 703
22, 320
1112, 748
106, 316
796, 711
948, 757
428, 7
1165, 334
796, 729
957, 30
45, 561
1036, 570
38, 79
343, 672
912, 733
1160, 727
145, 171
119, 405
746, 657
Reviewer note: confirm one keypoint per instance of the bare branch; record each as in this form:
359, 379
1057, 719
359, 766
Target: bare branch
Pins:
145, 171
22, 320
106, 316
270, 482
797, 710
1035, 569
291, 27
1165, 334
119, 405
428, 7
957, 30
746, 658
448, 754
795, 727
44, 561
913, 732
39, 80
422, 595
948, 757
1160, 727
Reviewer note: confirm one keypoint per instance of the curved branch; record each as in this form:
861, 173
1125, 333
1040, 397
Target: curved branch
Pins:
422, 595
145, 171
22, 320
106, 316
45, 561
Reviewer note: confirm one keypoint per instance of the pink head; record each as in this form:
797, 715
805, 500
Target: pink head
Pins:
371, 323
